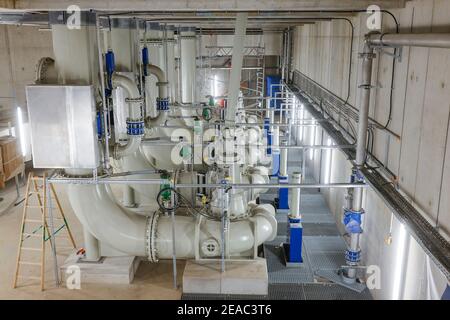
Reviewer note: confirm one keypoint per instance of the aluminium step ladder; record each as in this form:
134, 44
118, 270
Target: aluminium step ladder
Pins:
41, 228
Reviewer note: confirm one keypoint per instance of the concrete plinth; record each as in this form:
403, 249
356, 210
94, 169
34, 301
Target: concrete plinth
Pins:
240, 277
116, 270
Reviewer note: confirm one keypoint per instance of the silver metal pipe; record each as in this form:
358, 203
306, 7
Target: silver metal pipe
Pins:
205, 185
429, 40
363, 123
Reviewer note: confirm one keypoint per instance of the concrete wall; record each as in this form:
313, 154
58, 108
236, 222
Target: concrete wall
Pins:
420, 116
20, 50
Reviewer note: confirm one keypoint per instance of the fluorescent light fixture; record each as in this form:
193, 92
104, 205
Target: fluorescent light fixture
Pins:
301, 128
21, 131
328, 155
399, 262
312, 139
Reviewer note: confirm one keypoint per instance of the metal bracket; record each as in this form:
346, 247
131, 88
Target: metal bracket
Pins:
397, 56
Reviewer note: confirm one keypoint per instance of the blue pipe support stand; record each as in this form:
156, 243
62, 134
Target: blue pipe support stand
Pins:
275, 162
295, 235
283, 193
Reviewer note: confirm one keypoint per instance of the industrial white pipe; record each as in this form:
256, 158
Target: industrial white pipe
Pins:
284, 160
236, 66
188, 48
151, 237
162, 81
134, 141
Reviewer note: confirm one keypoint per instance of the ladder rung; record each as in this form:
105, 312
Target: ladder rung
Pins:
29, 277
33, 220
30, 263
32, 206
31, 249
66, 248
37, 235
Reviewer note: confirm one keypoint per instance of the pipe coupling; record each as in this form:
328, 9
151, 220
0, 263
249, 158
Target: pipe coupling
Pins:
135, 127
150, 237
352, 257
162, 104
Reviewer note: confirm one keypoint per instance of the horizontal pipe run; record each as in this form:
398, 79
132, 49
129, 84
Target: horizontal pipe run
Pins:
206, 185
168, 143
429, 40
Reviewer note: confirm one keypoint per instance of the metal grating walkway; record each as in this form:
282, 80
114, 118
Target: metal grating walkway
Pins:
323, 250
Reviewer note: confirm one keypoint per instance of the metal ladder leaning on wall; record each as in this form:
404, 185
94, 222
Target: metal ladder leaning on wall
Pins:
43, 194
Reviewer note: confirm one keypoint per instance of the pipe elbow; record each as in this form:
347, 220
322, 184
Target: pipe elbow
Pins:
126, 83
131, 147
158, 72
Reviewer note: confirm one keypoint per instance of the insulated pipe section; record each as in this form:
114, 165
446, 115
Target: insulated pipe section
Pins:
151, 236
429, 40
188, 64
135, 124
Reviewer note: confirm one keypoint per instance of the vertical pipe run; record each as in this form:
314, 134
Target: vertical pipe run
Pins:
284, 160
363, 120
296, 192
236, 66
188, 55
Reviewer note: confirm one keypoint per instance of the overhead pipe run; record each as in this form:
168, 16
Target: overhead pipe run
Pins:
429, 40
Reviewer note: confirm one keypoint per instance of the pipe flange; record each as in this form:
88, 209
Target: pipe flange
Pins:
135, 127
150, 237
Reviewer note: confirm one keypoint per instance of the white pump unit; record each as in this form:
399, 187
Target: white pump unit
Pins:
147, 108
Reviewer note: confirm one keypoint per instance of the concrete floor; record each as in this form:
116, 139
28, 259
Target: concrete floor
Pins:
152, 281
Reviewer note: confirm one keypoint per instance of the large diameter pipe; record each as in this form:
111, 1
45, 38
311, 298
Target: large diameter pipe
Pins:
188, 48
150, 236
236, 66
429, 40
